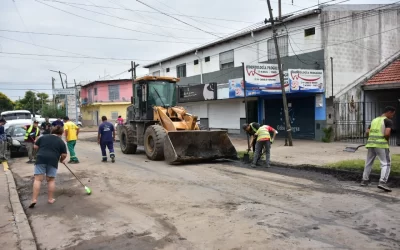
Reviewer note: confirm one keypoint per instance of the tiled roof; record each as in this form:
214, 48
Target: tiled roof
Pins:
389, 75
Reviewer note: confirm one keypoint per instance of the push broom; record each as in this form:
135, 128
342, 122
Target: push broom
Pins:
87, 189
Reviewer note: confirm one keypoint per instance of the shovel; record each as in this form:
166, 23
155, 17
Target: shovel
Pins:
353, 148
246, 157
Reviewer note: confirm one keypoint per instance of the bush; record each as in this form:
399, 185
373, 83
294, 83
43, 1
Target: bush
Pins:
328, 132
52, 111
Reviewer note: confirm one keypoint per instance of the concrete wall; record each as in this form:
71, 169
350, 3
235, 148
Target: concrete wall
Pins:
371, 42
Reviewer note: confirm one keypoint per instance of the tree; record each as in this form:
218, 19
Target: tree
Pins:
5, 103
52, 111
33, 102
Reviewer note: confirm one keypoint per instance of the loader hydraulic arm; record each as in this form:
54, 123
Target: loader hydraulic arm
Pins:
175, 118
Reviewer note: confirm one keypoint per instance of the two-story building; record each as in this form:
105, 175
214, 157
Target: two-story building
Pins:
106, 97
346, 42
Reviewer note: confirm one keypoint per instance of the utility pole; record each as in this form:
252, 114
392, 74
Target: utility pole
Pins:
133, 71
52, 87
332, 74
280, 9
76, 104
281, 77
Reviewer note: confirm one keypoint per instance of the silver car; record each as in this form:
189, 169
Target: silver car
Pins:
15, 138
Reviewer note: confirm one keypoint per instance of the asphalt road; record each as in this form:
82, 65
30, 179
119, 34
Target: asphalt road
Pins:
140, 204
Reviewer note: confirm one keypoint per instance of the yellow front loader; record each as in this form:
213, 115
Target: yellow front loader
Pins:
167, 131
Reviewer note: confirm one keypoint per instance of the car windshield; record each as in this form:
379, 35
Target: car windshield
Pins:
16, 116
162, 93
18, 131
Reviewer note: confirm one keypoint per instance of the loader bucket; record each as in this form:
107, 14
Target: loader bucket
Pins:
197, 145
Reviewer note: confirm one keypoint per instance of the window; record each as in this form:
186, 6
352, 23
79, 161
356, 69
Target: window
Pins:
167, 70
181, 70
207, 59
226, 60
114, 115
95, 91
90, 96
282, 45
196, 62
309, 32
113, 92
156, 73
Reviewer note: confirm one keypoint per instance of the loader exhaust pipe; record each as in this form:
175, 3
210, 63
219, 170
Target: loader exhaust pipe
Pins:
197, 145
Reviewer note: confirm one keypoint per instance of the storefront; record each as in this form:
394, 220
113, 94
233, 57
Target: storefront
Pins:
305, 97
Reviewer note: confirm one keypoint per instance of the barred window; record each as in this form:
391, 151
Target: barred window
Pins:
226, 59
282, 45
156, 73
113, 92
181, 70
114, 115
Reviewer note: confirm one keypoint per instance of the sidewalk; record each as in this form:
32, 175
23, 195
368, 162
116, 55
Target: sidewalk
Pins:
15, 232
304, 152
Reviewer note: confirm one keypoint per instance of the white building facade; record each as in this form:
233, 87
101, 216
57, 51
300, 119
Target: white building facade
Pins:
345, 41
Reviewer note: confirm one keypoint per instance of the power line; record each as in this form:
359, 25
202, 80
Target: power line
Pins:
126, 19
115, 26
328, 45
97, 37
86, 57
154, 12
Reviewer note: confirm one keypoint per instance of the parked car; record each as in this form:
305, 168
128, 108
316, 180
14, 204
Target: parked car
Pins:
15, 138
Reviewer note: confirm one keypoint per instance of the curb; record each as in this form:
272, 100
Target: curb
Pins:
394, 181
26, 241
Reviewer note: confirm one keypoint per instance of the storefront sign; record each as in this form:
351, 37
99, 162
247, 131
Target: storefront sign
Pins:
236, 88
301, 80
264, 77
196, 93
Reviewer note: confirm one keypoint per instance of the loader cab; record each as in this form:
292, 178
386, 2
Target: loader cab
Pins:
153, 91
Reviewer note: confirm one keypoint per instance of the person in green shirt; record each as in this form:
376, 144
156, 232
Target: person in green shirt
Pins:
378, 135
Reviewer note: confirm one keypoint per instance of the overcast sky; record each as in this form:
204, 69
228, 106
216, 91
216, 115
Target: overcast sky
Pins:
127, 19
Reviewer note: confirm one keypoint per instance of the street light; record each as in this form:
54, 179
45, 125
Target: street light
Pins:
66, 78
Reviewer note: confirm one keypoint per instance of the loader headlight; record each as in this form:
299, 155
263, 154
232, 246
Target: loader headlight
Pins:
16, 142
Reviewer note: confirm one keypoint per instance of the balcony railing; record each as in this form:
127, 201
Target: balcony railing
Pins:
87, 101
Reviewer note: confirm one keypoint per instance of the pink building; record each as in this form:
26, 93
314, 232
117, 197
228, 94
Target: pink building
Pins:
107, 91
109, 98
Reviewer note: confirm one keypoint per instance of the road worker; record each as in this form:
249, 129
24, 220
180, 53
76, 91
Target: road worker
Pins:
264, 141
251, 130
378, 135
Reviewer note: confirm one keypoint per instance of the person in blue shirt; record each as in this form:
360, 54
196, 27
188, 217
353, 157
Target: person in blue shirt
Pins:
3, 140
57, 122
106, 138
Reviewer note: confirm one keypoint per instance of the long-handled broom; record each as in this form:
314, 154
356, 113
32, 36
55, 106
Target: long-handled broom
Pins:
87, 189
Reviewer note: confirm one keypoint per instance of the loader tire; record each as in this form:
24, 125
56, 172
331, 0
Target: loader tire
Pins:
154, 138
126, 140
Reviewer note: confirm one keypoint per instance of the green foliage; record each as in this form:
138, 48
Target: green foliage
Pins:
32, 101
52, 111
358, 165
328, 134
5, 103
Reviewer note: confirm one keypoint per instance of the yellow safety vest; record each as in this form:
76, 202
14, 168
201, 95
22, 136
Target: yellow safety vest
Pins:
29, 130
376, 138
263, 133
254, 129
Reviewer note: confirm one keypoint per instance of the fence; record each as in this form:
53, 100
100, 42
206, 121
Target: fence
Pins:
353, 118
